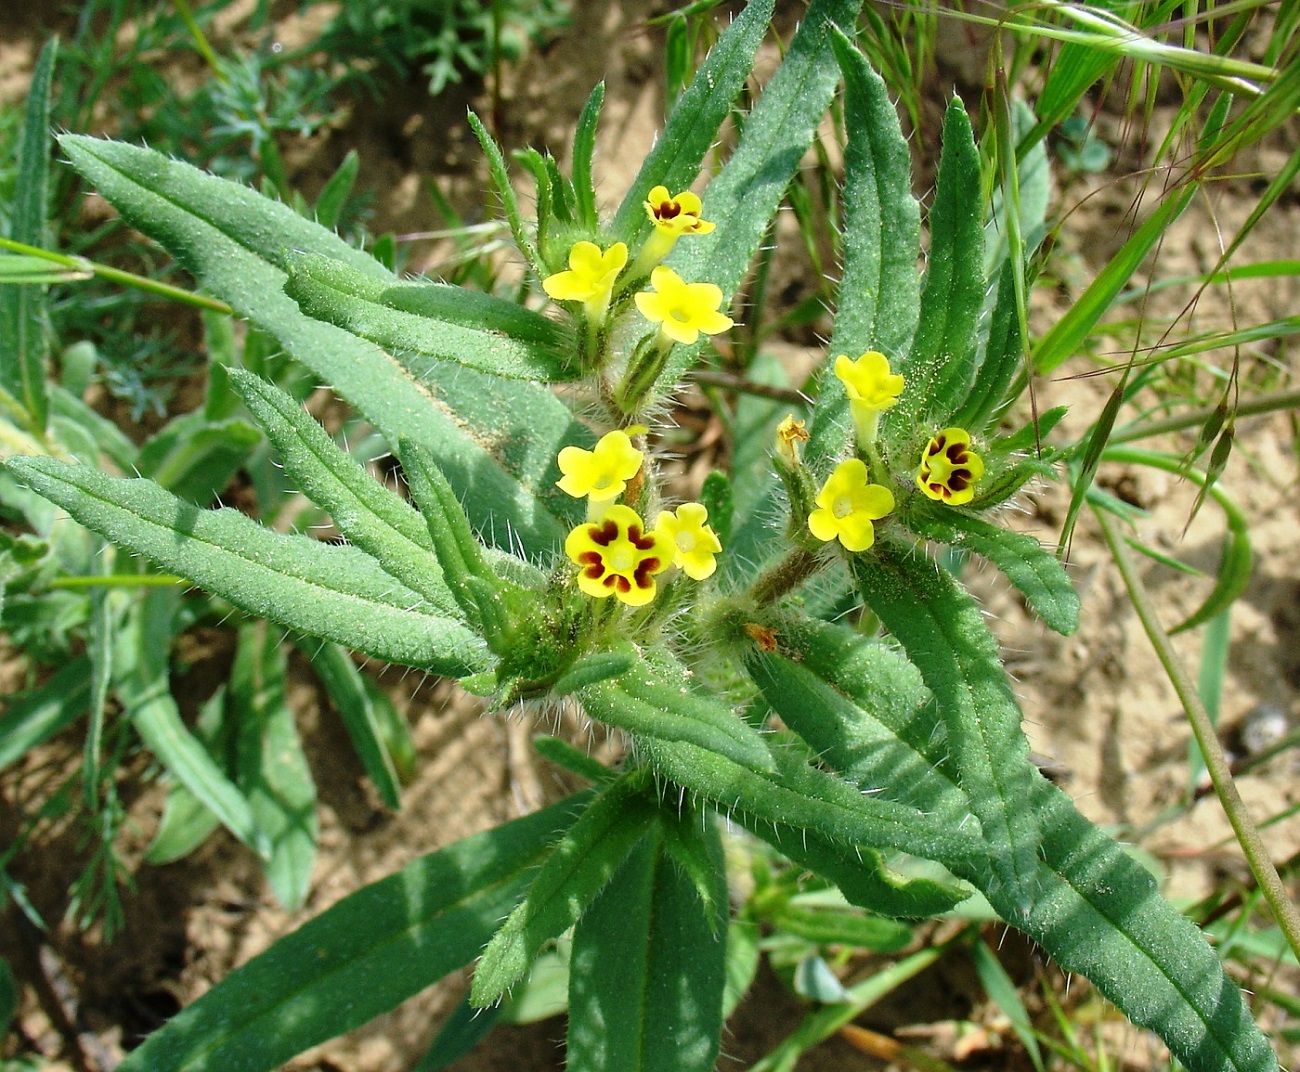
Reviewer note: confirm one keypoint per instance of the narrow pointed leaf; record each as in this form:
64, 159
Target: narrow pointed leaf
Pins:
141, 679
373, 518
585, 859
431, 321
584, 146
24, 330
186, 821
1037, 575
944, 634
334, 592
272, 769
359, 704
362, 957
498, 437
879, 292
647, 702
692, 128
649, 957
31, 718
940, 368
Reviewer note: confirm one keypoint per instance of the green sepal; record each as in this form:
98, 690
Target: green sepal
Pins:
653, 702
940, 368
573, 874
649, 957
941, 628
492, 605
879, 292
360, 958
339, 593
1037, 575
432, 320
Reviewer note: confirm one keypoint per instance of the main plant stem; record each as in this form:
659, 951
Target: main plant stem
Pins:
1216, 763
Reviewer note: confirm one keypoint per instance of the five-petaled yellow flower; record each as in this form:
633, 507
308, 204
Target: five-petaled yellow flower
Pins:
590, 278
682, 310
950, 468
847, 505
672, 217
694, 541
872, 388
617, 557
601, 473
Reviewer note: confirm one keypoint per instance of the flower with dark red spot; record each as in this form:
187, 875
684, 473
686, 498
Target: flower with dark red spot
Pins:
616, 556
950, 468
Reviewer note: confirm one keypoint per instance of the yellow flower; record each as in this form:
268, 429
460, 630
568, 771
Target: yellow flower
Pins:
695, 543
672, 217
617, 557
949, 468
676, 215
847, 505
682, 310
871, 388
601, 473
590, 278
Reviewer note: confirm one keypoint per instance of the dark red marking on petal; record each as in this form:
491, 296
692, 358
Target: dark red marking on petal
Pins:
604, 533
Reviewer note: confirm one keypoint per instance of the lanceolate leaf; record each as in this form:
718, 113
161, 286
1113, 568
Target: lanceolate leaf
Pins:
23, 326
588, 855
431, 320
334, 592
649, 702
141, 678
941, 366
1096, 911
879, 293
692, 129
1037, 574
34, 717
373, 518
495, 437
649, 957
271, 767
363, 957
944, 634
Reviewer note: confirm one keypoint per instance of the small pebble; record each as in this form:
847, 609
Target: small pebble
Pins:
1264, 725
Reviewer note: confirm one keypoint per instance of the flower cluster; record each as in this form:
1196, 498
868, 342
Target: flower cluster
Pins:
616, 554
683, 310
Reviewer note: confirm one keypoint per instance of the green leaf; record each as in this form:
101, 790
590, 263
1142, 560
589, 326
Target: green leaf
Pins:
879, 291
941, 628
432, 321
195, 458
940, 368
373, 518
271, 767
509, 201
591, 669
8, 997
1037, 575
1002, 358
362, 957
584, 145
649, 957
585, 859
186, 821
693, 125
1002, 992
744, 197
654, 702
338, 593
359, 703
24, 327
830, 926
18, 270
32, 718
336, 191
142, 681
499, 438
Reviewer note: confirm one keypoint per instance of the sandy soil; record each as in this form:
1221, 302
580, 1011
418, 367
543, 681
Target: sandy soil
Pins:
1099, 709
